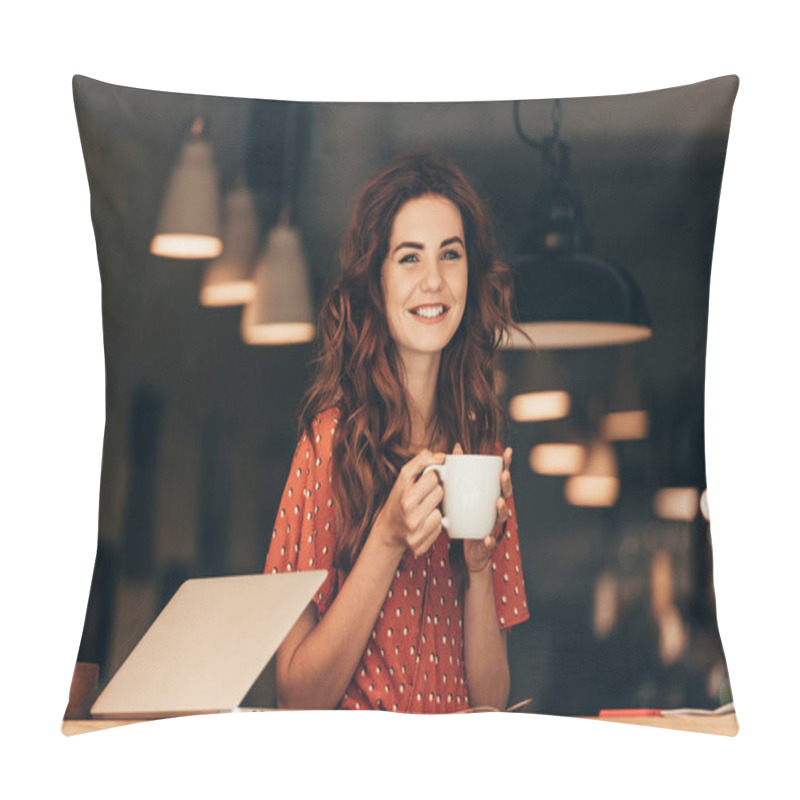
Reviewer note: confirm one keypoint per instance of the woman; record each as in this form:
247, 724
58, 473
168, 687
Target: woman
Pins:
407, 619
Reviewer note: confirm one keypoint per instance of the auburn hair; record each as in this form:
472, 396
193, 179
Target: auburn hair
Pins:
360, 371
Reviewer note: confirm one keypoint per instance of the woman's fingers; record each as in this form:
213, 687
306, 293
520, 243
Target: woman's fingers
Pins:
477, 553
416, 466
422, 539
505, 484
428, 504
419, 496
505, 477
418, 492
503, 513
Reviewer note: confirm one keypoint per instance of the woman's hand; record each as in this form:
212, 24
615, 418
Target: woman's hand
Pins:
410, 517
478, 552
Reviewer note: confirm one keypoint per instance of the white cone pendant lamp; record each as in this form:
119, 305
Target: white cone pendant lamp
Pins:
281, 311
188, 225
228, 280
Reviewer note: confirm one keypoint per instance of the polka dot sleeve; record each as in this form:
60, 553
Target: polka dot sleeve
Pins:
507, 579
303, 535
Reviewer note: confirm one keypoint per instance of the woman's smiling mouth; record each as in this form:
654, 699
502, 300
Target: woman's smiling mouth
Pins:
430, 312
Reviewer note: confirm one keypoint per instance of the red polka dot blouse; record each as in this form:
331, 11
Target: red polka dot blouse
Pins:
415, 658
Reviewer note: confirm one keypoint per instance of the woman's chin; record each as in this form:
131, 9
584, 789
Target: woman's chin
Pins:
430, 345
425, 337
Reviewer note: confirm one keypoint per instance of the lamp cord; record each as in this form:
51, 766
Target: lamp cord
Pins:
540, 144
555, 152
287, 183
532, 142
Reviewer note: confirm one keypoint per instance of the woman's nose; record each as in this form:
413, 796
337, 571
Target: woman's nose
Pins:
432, 276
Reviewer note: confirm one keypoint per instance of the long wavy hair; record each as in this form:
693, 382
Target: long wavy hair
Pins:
361, 372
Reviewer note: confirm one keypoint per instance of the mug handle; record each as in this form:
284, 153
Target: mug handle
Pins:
441, 471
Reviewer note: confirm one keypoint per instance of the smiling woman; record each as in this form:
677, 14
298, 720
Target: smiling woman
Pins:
424, 277
407, 620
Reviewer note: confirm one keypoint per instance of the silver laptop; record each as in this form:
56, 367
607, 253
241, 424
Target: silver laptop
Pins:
209, 645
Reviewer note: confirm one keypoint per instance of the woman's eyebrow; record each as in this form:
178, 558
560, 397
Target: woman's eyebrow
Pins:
452, 240
415, 245
418, 246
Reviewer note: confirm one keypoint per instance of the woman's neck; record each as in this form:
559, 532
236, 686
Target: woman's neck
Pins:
421, 378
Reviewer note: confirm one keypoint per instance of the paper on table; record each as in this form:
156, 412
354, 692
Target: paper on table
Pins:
668, 712
699, 712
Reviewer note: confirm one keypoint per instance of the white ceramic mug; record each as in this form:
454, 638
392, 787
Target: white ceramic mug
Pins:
471, 489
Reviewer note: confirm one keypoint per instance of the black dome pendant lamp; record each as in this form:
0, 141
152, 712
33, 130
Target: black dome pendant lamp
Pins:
566, 295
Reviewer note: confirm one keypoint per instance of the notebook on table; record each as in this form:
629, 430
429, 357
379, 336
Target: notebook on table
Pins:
208, 646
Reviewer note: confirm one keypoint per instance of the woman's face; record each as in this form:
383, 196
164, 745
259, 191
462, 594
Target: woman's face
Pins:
424, 275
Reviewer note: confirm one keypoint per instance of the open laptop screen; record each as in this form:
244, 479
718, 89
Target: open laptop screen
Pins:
208, 646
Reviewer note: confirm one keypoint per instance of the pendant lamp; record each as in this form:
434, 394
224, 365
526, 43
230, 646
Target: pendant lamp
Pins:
683, 470
281, 310
568, 296
228, 279
598, 484
558, 458
626, 417
188, 225
679, 503
539, 390
561, 444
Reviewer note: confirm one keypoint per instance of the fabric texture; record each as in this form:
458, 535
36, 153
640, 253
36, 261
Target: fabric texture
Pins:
415, 658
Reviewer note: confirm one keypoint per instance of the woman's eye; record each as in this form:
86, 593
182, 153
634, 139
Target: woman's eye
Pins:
451, 255
409, 259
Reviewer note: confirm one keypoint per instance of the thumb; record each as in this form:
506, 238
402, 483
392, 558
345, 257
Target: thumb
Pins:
458, 450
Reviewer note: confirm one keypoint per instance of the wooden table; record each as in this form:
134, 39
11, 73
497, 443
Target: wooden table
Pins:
71, 727
726, 725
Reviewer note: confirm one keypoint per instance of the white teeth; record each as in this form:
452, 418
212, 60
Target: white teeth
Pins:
429, 311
